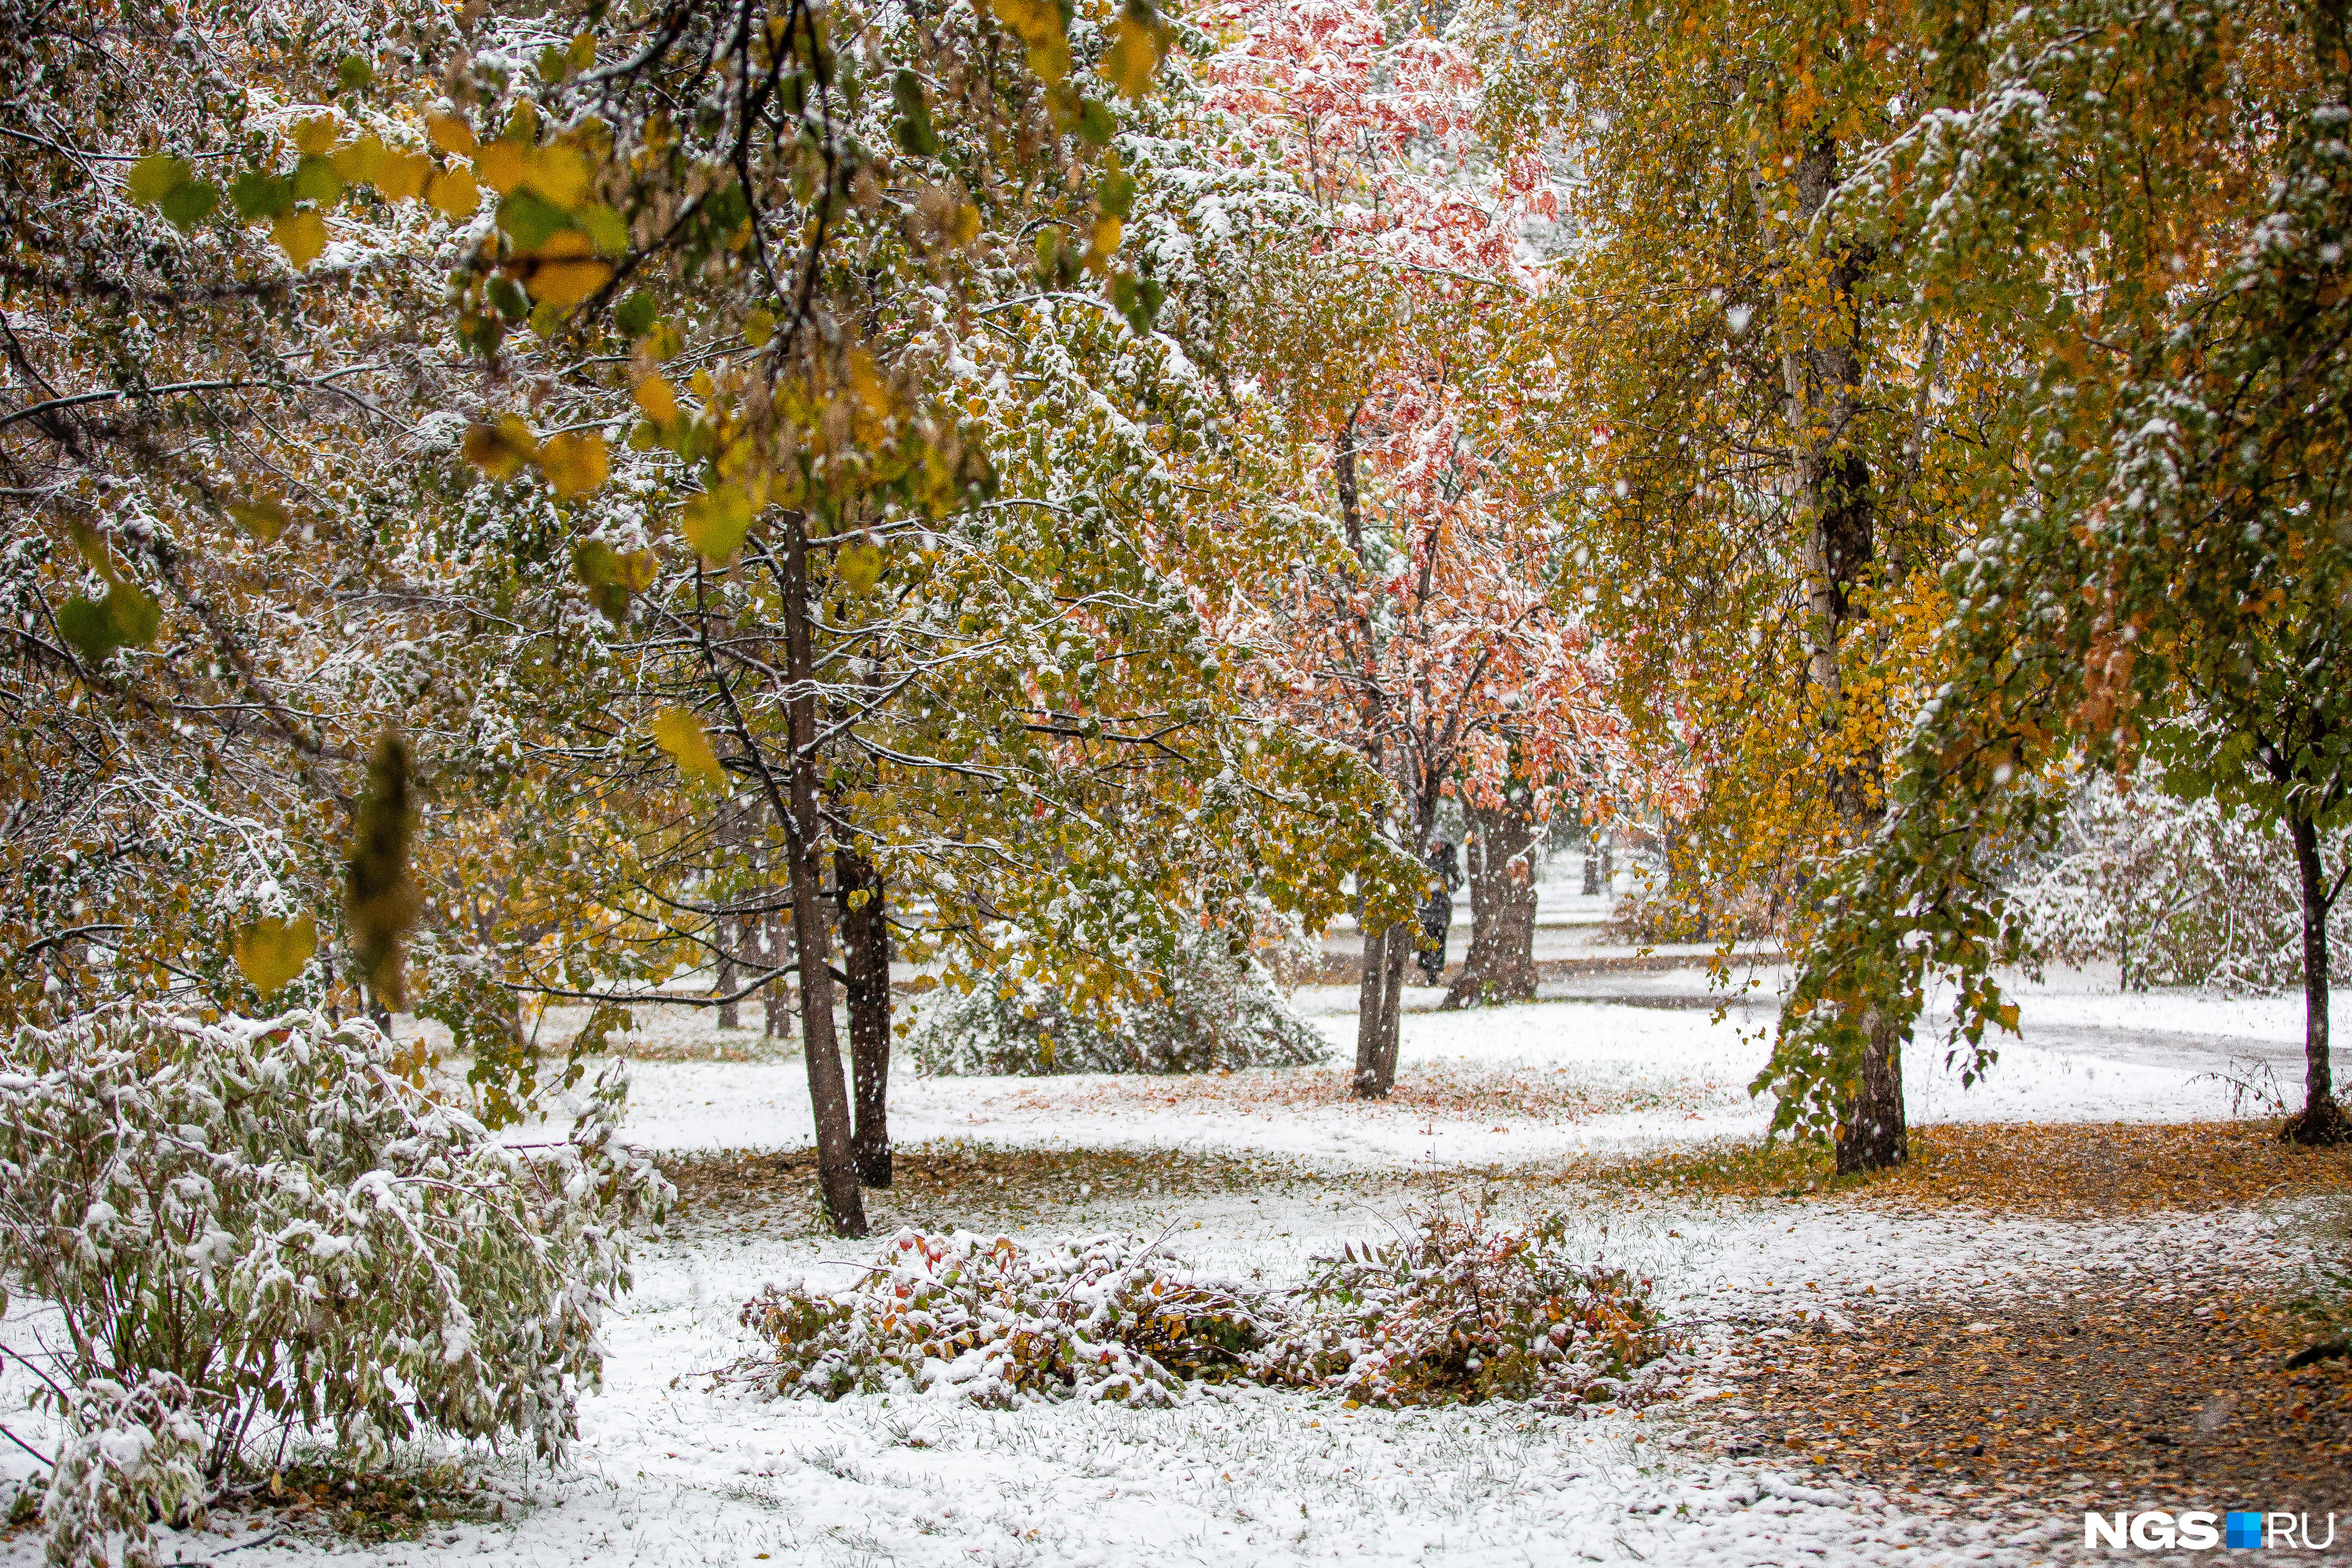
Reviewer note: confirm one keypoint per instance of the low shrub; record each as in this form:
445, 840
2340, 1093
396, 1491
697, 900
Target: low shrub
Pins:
1463, 1311
1216, 1010
251, 1229
1466, 1310
994, 1321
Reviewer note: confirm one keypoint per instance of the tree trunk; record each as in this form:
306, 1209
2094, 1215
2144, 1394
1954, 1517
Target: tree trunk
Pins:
1369, 987
1822, 381
865, 959
730, 1011
2321, 1120
1385, 1056
775, 1005
828, 1092
1378, 991
729, 929
1501, 963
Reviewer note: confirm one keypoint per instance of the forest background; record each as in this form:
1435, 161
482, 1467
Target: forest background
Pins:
521, 505
515, 507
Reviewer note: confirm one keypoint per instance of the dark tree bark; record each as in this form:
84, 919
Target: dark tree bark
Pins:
813, 942
775, 1003
865, 961
728, 929
2322, 1120
1501, 963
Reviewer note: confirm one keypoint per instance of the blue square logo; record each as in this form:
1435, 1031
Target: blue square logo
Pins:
2241, 1530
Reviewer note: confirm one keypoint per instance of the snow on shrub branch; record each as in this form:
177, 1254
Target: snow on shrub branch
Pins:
249, 1228
1462, 1310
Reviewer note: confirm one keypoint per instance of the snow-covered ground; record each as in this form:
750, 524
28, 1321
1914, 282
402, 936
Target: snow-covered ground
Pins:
673, 1469
1641, 1064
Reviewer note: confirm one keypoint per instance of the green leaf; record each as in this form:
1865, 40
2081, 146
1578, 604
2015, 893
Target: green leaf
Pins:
126, 618
156, 177
316, 180
914, 126
259, 195
354, 72
85, 623
634, 316
1116, 194
608, 228
508, 296
531, 219
190, 204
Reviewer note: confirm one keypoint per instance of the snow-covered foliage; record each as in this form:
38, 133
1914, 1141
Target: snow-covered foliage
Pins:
2174, 892
249, 1228
991, 1321
1213, 1010
134, 1449
1462, 1310
1469, 1309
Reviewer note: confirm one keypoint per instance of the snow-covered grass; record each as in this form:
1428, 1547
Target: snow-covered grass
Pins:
675, 1469
1515, 1084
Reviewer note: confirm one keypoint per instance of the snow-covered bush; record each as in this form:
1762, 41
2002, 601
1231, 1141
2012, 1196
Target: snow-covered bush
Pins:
1466, 1310
1110, 1317
1461, 1311
249, 1228
2173, 892
1216, 1010
130, 1451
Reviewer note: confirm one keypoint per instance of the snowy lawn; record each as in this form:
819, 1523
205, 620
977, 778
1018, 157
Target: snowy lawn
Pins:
674, 1467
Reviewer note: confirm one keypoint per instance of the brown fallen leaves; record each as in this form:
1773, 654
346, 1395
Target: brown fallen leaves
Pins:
2117, 1394
2019, 1168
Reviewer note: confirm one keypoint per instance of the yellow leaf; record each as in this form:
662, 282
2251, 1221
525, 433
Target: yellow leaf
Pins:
1133, 56
858, 566
634, 569
560, 174
565, 271
1034, 20
451, 134
315, 136
401, 176
501, 165
681, 734
362, 161
575, 464
453, 191
1039, 24
759, 327
301, 235
271, 952
656, 398
1104, 243
501, 449
715, 520
963, 224
865, 376
265, 520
